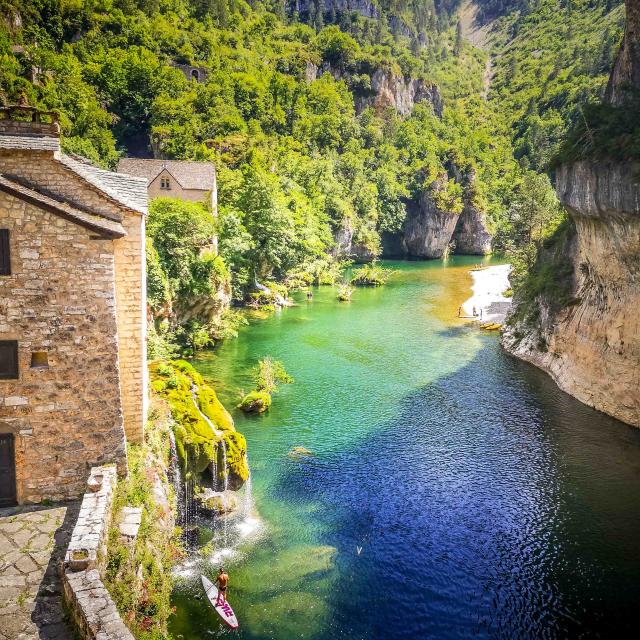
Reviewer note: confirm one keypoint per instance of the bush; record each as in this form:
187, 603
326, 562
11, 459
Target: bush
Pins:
372, 275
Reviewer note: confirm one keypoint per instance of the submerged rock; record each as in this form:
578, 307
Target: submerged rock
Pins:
300, 452
218, 502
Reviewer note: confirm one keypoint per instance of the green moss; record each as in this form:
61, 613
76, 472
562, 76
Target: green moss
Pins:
198, 441
255, 402
138, 576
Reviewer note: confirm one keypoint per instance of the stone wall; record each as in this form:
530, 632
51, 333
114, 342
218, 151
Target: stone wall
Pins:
59, 298
131, 294
43, 171
93, 611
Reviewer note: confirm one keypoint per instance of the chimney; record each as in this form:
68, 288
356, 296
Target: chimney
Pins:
22, 120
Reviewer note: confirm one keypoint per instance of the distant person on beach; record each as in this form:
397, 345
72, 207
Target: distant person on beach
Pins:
222, 581
309, 295
475, 313
459, 311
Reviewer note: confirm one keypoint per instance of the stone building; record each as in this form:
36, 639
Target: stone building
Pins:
73, 375
184, 180
190, 72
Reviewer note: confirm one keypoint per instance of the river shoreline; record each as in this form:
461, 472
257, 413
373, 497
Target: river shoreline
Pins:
488, 299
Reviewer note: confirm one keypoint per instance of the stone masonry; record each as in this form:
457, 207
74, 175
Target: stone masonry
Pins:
76, 295
65, 417
92, 609
33, 541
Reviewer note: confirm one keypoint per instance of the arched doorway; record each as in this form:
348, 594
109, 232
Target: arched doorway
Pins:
8, 495
195, 75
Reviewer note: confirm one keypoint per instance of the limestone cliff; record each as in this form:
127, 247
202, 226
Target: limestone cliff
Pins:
382, 88
591, 344
429, 230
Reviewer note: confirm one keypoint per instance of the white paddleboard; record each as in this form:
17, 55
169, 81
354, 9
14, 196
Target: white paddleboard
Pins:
224, 610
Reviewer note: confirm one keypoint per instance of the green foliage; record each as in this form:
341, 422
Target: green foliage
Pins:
372, 275
547, 277
182, 234
270, 374
604, 132
550, 62
297, 163
138, 577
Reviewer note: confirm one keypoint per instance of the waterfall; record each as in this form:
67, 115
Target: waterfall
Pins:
225, 471
176, 478
247, 502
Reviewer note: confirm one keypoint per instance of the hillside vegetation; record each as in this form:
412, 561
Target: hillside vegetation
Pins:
294, 111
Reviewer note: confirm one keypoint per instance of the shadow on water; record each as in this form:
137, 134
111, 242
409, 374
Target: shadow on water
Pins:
451, 491
493, 505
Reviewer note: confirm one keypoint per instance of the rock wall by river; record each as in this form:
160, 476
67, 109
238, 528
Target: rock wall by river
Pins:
591, 347
429, 229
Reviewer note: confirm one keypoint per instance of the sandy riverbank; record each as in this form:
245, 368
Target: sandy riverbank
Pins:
489, 285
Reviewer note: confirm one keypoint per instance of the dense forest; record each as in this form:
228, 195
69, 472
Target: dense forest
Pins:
319, 119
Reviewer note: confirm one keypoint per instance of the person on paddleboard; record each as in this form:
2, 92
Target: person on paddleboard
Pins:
222, 581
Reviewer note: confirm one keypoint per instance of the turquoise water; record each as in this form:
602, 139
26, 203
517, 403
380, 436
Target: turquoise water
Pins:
450, 490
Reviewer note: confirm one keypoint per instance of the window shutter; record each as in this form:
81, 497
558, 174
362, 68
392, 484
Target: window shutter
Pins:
5, 256
8, 359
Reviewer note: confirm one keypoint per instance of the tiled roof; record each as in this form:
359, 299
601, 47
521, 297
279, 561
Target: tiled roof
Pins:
128, 190
30, 142
95, 222
190, 175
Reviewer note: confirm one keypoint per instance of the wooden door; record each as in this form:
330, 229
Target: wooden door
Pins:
7, 470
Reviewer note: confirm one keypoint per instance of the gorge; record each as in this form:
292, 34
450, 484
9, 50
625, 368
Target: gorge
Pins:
590, 343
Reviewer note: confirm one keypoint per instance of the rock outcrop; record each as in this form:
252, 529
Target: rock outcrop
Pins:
429, 231
591, 347
346, 244
385, 89
471, 235
399, 93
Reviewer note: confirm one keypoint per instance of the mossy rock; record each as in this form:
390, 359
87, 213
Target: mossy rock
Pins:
255, 402
198, 440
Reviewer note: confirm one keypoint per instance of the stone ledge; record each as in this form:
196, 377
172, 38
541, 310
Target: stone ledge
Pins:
93, 611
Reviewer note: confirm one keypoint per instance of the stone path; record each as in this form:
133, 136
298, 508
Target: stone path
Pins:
32, 541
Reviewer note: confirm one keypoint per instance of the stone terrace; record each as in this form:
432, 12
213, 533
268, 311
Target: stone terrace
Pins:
32, 542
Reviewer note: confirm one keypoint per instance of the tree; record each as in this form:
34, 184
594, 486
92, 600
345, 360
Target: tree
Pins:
457, 48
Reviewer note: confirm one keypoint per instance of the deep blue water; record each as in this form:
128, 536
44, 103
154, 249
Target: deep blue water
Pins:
485, 502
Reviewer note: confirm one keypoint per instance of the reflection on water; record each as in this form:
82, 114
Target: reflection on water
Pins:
448, 491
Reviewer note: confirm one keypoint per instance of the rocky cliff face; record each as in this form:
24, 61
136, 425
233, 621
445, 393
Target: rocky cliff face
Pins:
429, 230
591, 347
386, 90
366, 8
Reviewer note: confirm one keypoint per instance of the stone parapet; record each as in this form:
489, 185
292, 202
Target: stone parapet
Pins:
93, 611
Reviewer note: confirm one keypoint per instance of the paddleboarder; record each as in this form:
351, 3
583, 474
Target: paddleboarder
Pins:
222, 581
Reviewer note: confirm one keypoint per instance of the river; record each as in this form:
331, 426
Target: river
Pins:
452, 491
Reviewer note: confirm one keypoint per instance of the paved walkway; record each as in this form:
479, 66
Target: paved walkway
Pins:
32, 541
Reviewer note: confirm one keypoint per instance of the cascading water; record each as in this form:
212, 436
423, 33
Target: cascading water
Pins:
225, 472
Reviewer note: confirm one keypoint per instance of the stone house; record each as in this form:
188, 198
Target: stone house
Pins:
73, 375
181, 179
191, 72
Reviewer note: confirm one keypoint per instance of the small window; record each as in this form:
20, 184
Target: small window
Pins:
165, 183
5, 255
8, 359
39, 360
